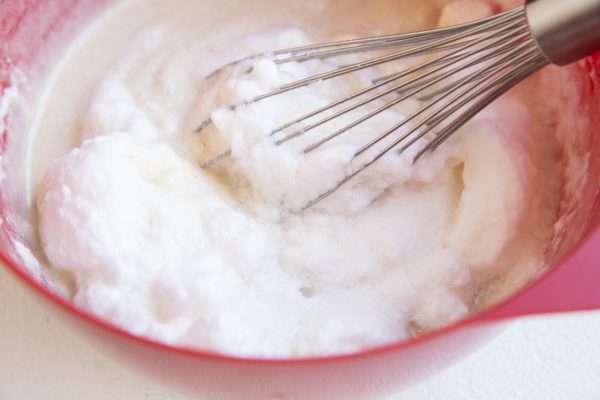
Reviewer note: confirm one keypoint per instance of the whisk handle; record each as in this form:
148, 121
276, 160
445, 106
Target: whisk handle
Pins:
566, 31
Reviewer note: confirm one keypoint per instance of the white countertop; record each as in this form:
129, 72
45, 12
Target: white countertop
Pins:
549, 358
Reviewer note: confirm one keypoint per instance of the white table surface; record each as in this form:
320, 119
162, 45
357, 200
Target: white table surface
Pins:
549, 358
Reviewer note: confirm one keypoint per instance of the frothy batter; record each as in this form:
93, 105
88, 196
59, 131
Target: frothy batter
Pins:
218, 258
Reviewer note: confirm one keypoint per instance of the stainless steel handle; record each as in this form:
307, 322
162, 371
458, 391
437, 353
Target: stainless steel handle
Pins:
566, 30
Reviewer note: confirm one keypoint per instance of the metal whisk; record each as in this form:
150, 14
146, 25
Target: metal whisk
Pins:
466, 68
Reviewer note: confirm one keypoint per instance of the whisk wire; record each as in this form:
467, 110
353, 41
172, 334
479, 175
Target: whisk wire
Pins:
344, 47
413, 52
468, 84
474, 64
429, 83
445, 60
502, 86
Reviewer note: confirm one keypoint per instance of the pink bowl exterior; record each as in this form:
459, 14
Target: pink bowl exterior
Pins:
572, 285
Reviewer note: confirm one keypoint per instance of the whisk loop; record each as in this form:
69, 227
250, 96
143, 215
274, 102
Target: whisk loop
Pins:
466, 68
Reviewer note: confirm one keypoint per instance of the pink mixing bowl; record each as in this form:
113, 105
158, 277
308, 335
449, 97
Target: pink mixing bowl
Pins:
27, 27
